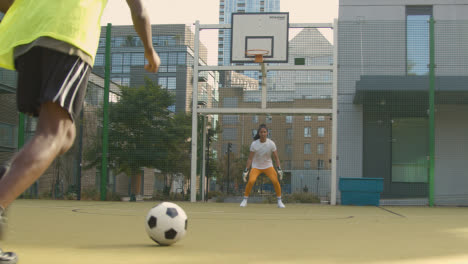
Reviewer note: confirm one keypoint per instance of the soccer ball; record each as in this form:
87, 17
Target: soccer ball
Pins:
166, 223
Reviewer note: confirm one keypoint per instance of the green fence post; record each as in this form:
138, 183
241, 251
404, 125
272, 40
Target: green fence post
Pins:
105, 125
431, 110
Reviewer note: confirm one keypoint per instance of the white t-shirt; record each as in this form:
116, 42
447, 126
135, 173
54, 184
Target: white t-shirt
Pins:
262, 158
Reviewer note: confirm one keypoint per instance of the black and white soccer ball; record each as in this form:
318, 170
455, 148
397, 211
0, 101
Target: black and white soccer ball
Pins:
166, 223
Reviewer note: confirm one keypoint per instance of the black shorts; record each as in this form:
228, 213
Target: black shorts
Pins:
46, 75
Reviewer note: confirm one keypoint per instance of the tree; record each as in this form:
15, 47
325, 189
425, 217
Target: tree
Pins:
179, 131
144, 133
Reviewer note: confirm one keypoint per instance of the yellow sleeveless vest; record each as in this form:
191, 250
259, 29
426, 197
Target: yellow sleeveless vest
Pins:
73, 21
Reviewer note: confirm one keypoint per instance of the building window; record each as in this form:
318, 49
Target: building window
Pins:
117, 60
307, 149
320, 164
417, 39
125, 81
288, 149
306, 164
254, 132
171, 108
172, 60
138, 59
289, 119
99, 61
255, 119
162, 82
181, 58
307, 118
269, 119
307, 132
118, 42
102, 42
230, 119
320, 148
169, 83
229, 133
320, 131
321, 118
230, 102
8, 135
289, 133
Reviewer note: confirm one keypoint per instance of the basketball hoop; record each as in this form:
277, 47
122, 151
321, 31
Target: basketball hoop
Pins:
258, 53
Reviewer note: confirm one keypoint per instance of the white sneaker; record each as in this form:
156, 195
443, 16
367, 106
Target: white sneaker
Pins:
243, 203
8, 257
5, 257
280, 204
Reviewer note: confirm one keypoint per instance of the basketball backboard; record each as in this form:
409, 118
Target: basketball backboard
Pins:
260, 31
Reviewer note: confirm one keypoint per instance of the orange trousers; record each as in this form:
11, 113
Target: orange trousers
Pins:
270, 172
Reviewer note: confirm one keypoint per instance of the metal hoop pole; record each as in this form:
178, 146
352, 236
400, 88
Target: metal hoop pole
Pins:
264, 85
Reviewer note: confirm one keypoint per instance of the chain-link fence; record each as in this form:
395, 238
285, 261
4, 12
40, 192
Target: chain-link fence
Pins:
385, 73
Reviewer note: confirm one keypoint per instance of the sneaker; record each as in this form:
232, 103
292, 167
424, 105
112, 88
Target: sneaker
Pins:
8, 257
280, 204
3, 170
5, 257
243, 203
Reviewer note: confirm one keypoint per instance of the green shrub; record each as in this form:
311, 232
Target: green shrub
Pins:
294, 198
301, 198
45, 195
112, 196
26, 196
213, 194
70, 196
90, 194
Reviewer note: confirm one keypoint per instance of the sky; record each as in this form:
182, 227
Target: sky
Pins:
207, 12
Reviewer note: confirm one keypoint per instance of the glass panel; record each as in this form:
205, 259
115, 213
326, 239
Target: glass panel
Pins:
171, 83
321, 132
417, 41
138, 59
307, 149
7, 135
320, 148
409, 149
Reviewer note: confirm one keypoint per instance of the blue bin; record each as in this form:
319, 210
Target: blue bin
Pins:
360, 191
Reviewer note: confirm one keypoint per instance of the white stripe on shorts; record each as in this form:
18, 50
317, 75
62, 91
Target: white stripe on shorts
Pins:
70, 106
68, 82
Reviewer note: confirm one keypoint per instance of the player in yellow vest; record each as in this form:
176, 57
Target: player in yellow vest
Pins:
52, 45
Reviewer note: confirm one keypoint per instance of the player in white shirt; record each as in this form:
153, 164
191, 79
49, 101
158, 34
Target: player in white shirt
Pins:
260, 162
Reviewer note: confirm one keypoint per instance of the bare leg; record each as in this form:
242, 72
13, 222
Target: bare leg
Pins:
54, 136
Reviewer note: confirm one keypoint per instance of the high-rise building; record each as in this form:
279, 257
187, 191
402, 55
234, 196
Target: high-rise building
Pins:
226, 8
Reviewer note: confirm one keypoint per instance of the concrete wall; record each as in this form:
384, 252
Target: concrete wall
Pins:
451, 167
